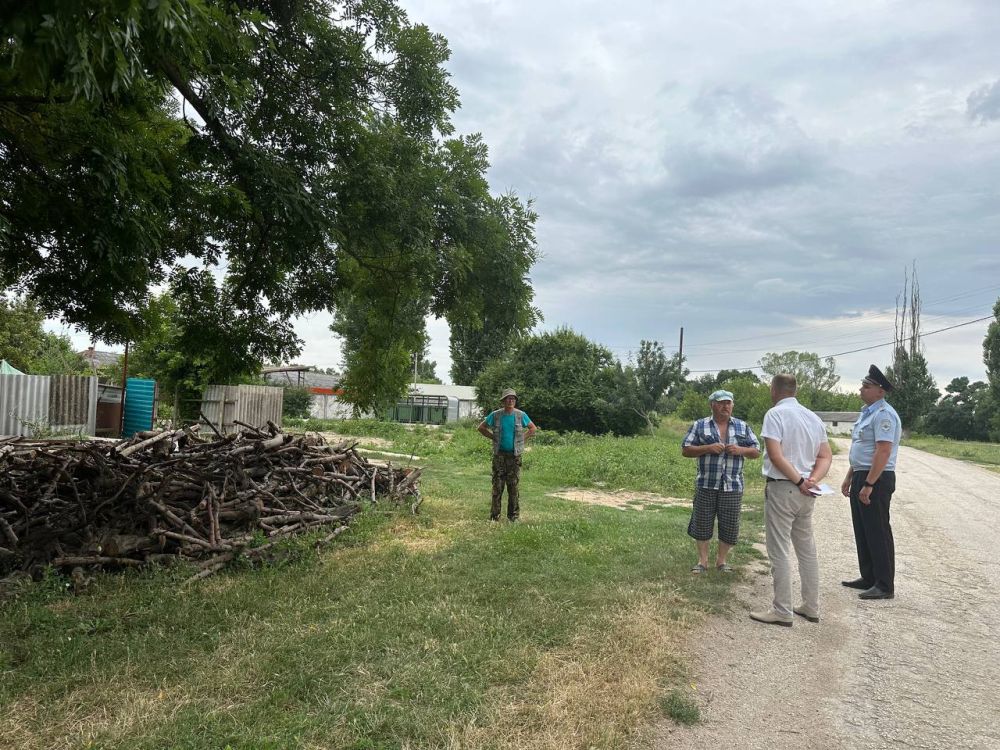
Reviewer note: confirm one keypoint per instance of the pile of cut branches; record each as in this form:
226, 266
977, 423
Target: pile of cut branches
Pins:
173, 495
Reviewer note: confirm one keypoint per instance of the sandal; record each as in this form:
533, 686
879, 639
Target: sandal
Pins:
699, 568
724, 568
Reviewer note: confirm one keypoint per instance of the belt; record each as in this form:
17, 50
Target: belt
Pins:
772, 479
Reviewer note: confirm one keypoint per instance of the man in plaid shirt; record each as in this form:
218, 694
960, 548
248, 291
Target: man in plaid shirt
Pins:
720, 443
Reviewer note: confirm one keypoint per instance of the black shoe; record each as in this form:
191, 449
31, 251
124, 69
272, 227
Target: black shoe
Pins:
876, 592
494, 519
857, 583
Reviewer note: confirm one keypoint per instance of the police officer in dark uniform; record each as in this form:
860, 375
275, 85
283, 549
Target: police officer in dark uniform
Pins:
870, 483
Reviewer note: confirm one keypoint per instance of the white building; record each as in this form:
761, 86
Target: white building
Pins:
461, 398
448, 402
839, 422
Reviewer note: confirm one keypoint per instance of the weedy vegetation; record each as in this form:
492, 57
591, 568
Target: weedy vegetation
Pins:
440, 630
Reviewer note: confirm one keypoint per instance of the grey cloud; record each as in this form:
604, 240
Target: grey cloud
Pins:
983, 104
694, 168
706, 172
746, 142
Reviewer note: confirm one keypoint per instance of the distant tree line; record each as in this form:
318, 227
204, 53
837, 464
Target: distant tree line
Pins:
28, 347
571, 383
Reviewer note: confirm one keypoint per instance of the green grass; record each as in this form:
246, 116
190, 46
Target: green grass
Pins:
681, 708
984, 454
440, 630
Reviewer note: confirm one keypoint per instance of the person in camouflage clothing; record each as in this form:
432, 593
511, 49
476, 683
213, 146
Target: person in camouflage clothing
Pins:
509, 428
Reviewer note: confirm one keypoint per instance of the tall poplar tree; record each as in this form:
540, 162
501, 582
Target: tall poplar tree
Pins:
991, 358
915, 391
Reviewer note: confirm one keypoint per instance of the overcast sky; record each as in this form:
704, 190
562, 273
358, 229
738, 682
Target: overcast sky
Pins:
760, 173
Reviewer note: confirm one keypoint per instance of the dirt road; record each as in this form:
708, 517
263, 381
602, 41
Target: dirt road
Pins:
919, 671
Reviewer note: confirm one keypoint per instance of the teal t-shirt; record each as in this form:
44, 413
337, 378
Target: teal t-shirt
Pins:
507, 429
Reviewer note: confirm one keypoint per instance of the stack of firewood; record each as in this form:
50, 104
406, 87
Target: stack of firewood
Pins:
172, 494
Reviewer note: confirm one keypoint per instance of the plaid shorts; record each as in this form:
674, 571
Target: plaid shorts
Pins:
709, 504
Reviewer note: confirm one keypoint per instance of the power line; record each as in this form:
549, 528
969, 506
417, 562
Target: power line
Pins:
851, 321
862, 349
872, 336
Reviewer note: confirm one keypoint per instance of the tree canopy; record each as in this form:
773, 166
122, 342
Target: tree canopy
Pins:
991, 352
565, 382
915, 391
656, 373
991, 358
752, 396
28, 347
965, 412
302, 151
810, 371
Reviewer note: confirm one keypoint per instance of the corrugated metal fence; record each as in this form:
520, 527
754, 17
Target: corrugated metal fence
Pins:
61, 403
223, 405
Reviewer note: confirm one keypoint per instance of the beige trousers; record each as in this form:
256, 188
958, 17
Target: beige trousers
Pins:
788, 524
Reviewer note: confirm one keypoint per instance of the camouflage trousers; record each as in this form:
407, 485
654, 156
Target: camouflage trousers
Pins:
506, 472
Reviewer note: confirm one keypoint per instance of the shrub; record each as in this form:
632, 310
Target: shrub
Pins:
565, 382
295, 402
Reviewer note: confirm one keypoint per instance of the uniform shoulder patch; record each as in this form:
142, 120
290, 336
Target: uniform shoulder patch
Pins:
885, 425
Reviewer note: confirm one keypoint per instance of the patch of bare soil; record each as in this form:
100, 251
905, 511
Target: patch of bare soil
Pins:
622, 499
333, 437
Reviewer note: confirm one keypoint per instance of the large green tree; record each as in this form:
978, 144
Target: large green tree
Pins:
965, 412
751, 398
810, 370
991, 358
660, 378
914, 392
991, 352
566, 382
493, 296
296, 148
656, 372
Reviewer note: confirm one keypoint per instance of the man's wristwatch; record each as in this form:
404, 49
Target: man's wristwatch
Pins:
799, 483
868, 484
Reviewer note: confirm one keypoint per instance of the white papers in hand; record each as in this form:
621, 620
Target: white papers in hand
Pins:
821, 489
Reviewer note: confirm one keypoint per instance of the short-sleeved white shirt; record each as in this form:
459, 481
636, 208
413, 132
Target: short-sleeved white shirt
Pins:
800, 432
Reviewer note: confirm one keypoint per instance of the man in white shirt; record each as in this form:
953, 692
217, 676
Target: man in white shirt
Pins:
798, 456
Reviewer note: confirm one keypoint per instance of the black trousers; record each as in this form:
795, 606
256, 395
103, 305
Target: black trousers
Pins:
872, 532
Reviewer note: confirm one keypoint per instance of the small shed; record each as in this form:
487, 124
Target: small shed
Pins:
460, 400
256, 405
839, 422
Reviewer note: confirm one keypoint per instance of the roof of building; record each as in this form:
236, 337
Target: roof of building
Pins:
461, 392
303, 378
838, 416
96, 359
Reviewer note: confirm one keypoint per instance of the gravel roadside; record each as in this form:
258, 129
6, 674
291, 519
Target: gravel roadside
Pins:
919, 671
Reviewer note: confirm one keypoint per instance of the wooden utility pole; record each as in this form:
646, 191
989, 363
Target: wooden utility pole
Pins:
121, 423
680, 349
